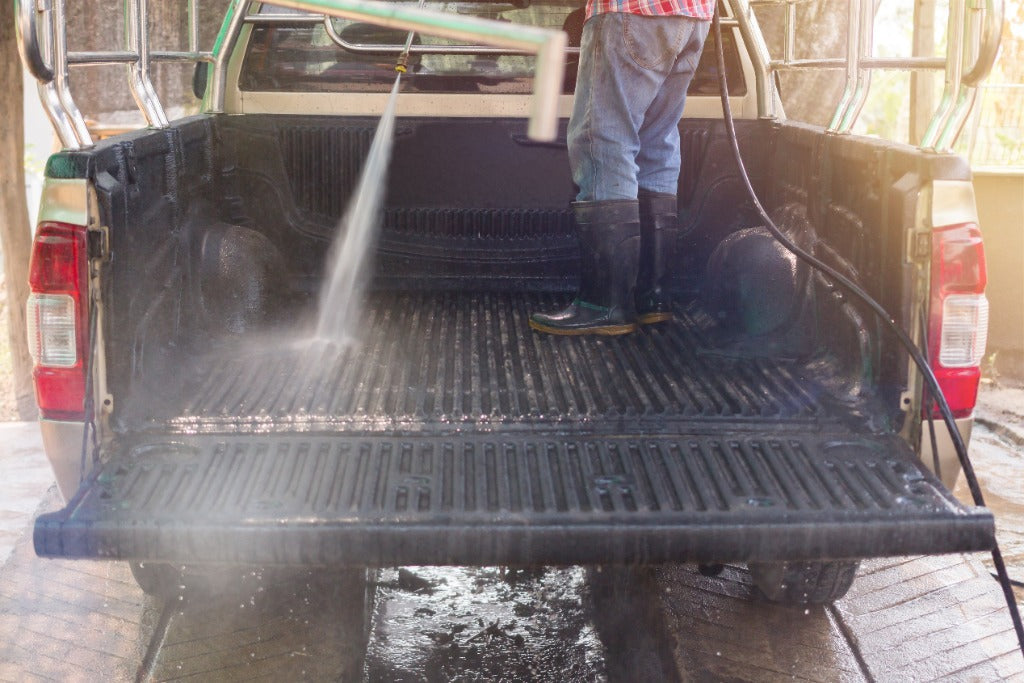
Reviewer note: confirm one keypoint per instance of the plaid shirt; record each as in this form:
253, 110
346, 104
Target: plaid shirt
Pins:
699, 9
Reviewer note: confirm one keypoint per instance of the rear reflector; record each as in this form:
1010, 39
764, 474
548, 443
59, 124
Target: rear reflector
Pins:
964, 330
52, 340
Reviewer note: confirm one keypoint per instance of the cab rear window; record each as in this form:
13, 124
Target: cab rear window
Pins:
293, 55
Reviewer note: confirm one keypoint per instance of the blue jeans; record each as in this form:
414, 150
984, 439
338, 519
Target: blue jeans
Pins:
630, 93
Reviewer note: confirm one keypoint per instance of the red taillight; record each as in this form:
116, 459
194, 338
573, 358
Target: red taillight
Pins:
958, 320
58, 319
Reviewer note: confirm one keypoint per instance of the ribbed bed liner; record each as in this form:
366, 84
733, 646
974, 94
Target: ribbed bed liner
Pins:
481, 500
455, 435
444, 359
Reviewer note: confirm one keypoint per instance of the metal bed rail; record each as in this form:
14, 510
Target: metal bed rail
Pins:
974, 29
42, 40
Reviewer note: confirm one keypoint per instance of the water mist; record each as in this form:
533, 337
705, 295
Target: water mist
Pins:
341, 298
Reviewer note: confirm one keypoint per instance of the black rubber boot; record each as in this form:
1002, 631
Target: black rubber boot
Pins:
609, 256
659, 230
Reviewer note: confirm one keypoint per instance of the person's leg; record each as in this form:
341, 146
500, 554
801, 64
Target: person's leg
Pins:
658, 177
659, 232
658, 135
624, 62
609, 232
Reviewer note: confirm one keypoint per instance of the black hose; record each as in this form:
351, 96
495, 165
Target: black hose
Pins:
841, 280
927, 402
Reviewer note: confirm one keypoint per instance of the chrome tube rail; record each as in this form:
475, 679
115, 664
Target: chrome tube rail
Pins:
385, 49
42, 41
973, 28
768, 102
548, 45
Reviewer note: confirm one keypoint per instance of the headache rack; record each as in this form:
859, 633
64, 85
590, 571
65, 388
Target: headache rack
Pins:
42, 39
973, 29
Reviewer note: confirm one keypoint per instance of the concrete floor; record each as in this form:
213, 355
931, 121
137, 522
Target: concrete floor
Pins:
24, 478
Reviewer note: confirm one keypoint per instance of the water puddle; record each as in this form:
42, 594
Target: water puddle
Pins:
476, 624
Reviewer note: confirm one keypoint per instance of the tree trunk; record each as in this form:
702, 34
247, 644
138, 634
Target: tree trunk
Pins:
15, 235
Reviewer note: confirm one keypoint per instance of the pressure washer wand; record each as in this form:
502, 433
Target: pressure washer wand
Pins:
401, 66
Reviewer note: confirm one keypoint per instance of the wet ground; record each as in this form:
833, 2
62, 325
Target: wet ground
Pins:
997, 449
451, 624
422, 624
904, 618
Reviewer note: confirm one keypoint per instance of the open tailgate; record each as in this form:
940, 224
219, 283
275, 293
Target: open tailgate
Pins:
483, 499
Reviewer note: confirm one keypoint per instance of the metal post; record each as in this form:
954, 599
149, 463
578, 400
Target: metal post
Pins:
922, 86
979, 49
230, 30
954, 71
865, 47
61, 88
137, 38
854, 25
789, 26
759, 56
976, 125
193, 26
37, 56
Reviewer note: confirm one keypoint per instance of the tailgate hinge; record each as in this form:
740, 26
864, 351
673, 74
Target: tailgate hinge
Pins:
98, 238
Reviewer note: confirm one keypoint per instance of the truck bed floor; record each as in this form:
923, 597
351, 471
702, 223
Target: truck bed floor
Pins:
463, 359
454, 435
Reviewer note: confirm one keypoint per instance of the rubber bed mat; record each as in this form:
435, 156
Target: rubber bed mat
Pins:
479, 499
441, 358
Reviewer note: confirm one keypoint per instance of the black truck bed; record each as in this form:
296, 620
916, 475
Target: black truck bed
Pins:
444, 360
454, 435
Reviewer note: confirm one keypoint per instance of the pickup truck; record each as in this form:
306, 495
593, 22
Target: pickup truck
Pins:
177, 271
